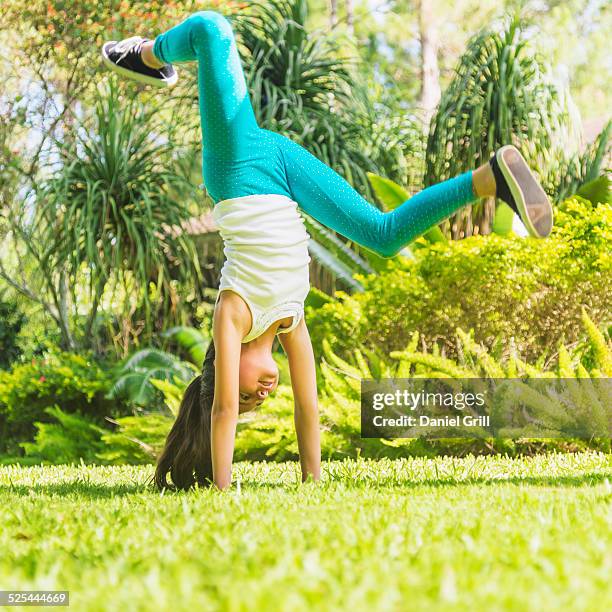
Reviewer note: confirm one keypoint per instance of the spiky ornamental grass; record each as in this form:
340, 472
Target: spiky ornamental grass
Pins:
501, 93
301, 85
117, 201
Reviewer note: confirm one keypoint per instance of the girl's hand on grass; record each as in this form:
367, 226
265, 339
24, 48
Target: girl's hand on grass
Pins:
224, 417
298, 347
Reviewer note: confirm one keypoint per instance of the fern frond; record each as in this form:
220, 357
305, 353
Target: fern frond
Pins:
565, 367
441, 364
601, 350
490, 366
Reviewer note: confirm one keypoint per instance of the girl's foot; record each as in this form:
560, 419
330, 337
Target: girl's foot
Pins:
518, 187
124, 57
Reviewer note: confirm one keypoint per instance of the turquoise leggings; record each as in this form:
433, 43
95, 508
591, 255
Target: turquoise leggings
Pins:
239, 158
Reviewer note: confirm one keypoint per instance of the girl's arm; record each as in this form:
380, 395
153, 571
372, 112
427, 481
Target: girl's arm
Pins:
224, 417
298, 347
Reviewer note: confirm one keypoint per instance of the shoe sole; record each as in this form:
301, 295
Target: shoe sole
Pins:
531, 200
136, 76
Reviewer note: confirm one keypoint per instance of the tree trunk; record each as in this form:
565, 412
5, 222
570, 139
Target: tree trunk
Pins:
350, 22
68, 342
430, 71
333, 13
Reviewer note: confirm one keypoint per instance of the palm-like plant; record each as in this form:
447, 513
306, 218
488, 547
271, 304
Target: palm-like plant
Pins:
193, 341
301, 85
570, 174
147, 372
116, 198
499, 95
135, 378
289, 65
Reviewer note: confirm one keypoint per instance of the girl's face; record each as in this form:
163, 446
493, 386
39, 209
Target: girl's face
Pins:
258, 376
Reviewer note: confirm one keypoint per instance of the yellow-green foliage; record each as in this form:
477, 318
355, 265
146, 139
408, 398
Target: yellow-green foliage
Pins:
590, 406
341, 399
601, 349
531, 291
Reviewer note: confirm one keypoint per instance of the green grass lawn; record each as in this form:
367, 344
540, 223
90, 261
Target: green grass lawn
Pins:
444, 534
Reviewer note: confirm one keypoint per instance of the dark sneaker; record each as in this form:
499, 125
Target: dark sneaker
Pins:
520, 189
124, 58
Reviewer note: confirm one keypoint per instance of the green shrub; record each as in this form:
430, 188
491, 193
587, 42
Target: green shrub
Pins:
502, 288
73, 382
72, 438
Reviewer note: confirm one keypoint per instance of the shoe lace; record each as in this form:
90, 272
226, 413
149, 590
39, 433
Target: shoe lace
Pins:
129, 45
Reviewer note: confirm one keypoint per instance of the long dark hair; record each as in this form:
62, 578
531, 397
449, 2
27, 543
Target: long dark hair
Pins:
187, 454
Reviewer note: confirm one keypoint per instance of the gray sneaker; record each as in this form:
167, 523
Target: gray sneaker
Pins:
520, 189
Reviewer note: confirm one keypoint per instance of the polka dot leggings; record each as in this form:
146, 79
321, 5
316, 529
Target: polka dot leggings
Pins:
239, 158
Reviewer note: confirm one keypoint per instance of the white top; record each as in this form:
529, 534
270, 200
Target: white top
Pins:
266, 250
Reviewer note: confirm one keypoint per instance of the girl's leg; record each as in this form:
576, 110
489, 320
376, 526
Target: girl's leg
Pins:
238, 157
327, 197
228, 120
